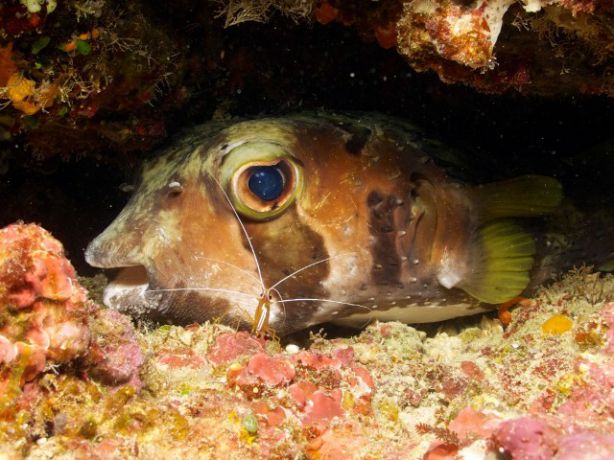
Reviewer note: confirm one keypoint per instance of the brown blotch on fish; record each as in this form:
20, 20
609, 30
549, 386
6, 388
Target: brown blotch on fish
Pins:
386, 260
357, 141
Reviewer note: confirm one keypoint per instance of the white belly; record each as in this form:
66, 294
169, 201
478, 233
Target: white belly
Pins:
413, 314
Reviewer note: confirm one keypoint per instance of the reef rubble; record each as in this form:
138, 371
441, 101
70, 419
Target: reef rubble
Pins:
540, 388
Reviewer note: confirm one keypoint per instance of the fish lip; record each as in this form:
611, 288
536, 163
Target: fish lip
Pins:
126, 291
91, 255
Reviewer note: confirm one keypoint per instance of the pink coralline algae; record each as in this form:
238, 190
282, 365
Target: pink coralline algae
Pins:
230, 346
270, 370
43, 309
526, 438
608, 316
114, 355
312, 380
470, 424
534, 439
46, 319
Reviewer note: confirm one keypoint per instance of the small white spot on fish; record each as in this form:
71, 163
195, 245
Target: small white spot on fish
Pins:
448, 280
175, 188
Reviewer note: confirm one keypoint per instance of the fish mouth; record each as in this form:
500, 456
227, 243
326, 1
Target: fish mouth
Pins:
133, 291
126, 292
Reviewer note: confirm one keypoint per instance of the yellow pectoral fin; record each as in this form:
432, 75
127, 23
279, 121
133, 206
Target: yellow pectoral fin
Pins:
526, 196
503, 259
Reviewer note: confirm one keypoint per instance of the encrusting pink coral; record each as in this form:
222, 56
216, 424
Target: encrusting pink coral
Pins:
47, 320
526, 438
314, 382
114, 355
228, 347
43, 308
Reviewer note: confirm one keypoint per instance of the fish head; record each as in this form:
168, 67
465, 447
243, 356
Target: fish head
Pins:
300, 209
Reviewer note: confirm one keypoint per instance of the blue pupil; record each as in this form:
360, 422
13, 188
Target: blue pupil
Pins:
266, 182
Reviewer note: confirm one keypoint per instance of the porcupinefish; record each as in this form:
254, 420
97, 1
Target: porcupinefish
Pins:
317, 218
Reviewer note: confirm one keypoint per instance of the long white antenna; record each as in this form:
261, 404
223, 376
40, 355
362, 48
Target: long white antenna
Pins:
185, 289
313, 264
283, 306
242, 270
325, 300
249, 240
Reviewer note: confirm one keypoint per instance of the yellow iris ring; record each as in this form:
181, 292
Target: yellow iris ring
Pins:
233, 175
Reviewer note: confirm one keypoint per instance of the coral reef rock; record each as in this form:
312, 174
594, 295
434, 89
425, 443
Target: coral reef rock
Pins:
48, 325
44, 311
533, 46
109, 79
63, 62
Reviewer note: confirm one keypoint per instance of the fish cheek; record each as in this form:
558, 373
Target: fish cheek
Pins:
186, 233
286, 244
183, 308
209, 244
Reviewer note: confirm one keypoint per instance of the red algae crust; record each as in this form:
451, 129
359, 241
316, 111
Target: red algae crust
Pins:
43, 308
48, 328
471, 390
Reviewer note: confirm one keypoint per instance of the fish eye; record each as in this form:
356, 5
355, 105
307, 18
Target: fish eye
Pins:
263, 189
262, 178
266, 182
